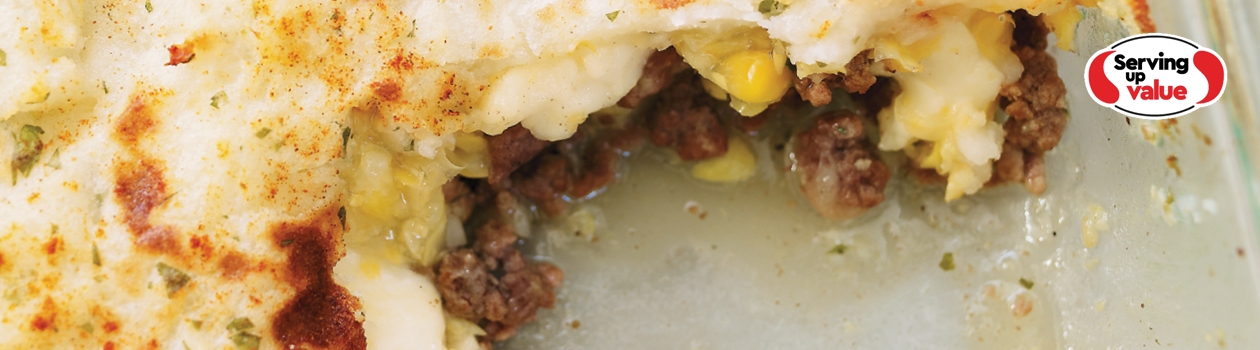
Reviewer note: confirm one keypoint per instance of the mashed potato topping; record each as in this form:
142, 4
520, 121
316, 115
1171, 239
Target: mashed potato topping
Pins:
209, 200
948, 80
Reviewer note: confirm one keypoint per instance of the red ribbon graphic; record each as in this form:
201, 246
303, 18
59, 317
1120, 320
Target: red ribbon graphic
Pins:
1213, 70
1103, 89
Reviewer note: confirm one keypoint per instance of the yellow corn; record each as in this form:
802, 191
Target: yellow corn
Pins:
736, 165
753, 77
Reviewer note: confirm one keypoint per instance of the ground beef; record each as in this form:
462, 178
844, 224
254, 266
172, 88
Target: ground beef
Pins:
525, 289
924, 177
1035, 173
857, 76
600, 158
599, 170
545, 181
816, 88
551, 275
1010, 165
1029, 32
572, 168
1016, 165
460, 199
658, 73
1037, 107
492, 285
684, 119
468, 289
1035, 103
840, 173
879, 96
495, 239
510, 149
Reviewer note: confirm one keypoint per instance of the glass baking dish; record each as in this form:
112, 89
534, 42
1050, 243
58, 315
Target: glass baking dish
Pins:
1146, 237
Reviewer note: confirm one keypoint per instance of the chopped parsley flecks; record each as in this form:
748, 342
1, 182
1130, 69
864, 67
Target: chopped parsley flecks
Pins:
240, 324
1026, 283
947, 262
27, 151
218, 99
839, 249
173, 278
771, 7
245, 340
55, 160
341, 214
345, 137
96, 255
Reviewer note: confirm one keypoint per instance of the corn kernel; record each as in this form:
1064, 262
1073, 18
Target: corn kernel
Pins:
736, 165
753, 77
748, 66
582, 221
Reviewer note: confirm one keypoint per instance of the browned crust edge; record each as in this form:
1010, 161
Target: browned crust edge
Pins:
1142, 16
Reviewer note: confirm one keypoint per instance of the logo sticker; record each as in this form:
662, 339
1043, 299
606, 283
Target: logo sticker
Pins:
1155, 76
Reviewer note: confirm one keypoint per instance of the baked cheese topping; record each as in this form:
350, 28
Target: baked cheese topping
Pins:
194, 172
